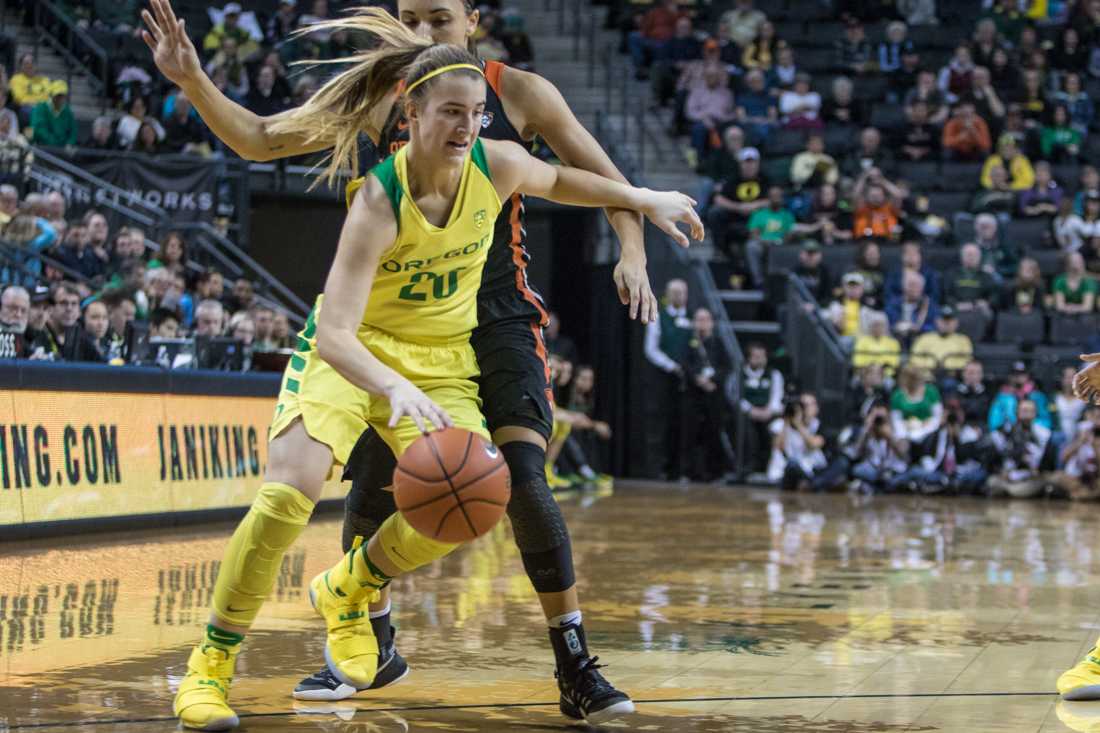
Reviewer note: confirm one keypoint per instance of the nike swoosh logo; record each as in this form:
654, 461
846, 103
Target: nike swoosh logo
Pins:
394, 550
236, 610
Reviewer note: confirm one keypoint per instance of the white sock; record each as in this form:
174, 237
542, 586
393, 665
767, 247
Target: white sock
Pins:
380, 614
587, 472
566, 619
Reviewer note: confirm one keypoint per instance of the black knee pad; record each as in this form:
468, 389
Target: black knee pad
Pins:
367, 505
537, 523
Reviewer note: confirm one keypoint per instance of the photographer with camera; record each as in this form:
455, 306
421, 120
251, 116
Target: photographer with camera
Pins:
878, 456
1080, 474
1019, 449
951, 459
796, 447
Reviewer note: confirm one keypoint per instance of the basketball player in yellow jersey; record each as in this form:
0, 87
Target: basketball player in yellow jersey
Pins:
388, 347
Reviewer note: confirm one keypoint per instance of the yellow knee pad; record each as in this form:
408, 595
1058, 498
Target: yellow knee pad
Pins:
254, 556
406, 548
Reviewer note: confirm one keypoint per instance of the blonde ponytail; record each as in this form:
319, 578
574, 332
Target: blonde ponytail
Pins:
340, 109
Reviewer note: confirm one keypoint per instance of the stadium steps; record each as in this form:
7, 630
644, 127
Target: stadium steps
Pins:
86, 104
664, 164
749, 312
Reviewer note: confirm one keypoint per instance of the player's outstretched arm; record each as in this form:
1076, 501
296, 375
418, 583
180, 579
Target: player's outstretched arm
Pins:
369, 230
539, 109
244, 131
515, 171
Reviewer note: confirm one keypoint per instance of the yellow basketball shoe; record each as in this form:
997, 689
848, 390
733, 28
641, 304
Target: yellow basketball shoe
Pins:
1082, 681
202, 701
351, 650
554, 481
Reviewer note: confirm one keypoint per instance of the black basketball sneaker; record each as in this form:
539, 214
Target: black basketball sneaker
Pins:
323, 685
585, 693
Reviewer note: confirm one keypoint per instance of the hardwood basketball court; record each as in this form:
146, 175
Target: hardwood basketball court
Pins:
716, 609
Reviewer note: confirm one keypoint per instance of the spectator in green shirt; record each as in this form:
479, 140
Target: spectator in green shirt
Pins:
772, 223
1074, 291
1060, 142
52, 122
769, 225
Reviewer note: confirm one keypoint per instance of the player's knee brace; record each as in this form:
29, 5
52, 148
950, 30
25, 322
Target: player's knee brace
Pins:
367, 504
254, 555
537, 522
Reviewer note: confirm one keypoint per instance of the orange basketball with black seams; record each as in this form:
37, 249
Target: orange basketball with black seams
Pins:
452, 485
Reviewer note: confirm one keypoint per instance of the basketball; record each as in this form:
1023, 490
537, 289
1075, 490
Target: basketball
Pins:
452, 485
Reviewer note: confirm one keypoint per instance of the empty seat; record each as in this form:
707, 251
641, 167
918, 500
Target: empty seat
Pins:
839, 258
1020, 328
960, 177
782, 258
998, 358
1028, 233
941, 259
975, 324
1050, 261
840, 139
870, 88
948, 203
777, 171
922, 176
1050, 360
1071, 329
1068, 175
816, 60
887, 117
785, 142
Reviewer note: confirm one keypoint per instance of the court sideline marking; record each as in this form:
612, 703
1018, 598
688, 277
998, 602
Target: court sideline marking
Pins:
506, 705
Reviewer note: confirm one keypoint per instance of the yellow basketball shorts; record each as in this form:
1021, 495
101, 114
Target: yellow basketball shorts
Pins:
336, 412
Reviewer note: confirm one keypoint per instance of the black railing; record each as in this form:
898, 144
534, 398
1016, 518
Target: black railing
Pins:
54, 28
209, 245
819, 362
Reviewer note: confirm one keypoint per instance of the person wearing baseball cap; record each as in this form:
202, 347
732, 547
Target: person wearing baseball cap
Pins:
230, 28
52, 122
849, 314
945, 348
735, 199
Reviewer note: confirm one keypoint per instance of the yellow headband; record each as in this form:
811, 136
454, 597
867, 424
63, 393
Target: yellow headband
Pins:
437, 72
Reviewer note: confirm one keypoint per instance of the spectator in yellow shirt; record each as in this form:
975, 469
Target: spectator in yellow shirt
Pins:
27, 86
849, 314
230, 28
1020, 173
877, 347
944, 348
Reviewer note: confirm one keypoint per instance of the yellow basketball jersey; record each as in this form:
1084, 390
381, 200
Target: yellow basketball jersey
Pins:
425, 289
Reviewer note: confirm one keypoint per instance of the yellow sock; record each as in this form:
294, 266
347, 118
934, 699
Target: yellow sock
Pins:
403, 546
406, 548
254, 557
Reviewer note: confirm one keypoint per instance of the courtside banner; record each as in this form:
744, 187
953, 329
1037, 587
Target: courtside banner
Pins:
68, 455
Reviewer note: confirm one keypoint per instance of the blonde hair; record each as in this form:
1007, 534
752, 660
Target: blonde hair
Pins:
340, 109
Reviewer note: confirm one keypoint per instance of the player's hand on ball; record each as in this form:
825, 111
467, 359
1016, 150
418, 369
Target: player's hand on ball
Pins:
666, 208
1086, 383
408, 401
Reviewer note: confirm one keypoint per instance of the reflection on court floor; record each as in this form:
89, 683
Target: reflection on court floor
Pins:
717, 609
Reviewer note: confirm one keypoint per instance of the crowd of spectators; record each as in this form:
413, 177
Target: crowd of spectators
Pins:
72, 289
928, 172
249, 55
935, 422
575, 451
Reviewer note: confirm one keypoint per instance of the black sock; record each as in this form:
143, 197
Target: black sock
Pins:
569, 644
382, 629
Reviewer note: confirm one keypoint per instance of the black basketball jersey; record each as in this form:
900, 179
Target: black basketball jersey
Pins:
506, 266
